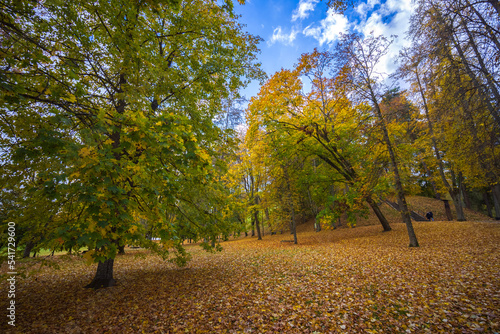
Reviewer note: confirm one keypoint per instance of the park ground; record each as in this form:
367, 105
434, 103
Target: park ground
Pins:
348, 280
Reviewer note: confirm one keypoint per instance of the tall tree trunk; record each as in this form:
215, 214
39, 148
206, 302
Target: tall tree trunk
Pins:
457, 200
480, 88
104, 275
256, 218
405, 212
294, 225
451, 190
495, 191
483, 69
28, 248
447, 209
314, 210
463, 191
378, 213
487, 201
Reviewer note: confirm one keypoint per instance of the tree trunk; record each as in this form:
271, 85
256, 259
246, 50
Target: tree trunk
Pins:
447, 209
455, 196
495, 190
405, 213
487, 201
256, 218
121, 249
103, 276
28, 248
294, 226
378, 213
451, 188
463, 190
317, 225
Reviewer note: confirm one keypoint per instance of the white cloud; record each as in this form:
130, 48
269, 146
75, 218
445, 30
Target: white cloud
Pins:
303, 9
280, 37
329, 29
363, 7
392, 18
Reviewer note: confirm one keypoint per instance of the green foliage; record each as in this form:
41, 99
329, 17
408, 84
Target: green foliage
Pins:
107, 112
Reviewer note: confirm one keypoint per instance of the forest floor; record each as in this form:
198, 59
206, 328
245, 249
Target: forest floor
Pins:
349, 280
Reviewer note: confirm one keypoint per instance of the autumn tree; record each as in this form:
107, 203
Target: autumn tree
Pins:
119, 99
364, 54
452, 61
321, 121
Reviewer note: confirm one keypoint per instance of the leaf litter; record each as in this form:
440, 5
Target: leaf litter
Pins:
358, 280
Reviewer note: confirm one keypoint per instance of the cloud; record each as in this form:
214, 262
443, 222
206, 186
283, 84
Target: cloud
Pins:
329, 29
303, 9
391, 18
364, 7
280, 37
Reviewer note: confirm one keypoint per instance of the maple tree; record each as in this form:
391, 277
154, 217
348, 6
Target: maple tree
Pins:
118, 99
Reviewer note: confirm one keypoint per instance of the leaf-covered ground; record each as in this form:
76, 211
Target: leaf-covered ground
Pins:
342, 281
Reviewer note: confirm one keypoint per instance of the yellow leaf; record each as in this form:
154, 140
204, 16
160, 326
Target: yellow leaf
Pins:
88, 256
84, 152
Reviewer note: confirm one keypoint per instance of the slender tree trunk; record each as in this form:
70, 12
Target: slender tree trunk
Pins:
405, 213
452, 190
482, 94
103, 276
483, 69
447, 209
256, 218
487, 201
294, 225
463, 191
378, 213
495, 191
457, 201
28, 248
121, 249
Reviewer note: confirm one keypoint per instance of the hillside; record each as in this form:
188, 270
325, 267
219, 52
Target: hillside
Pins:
419, 204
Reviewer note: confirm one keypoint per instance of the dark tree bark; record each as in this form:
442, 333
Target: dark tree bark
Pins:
487, 201
121, 250
379, 214
495, 190
447, 209
294, 225
405, 212
28, 248
104, 275
256, 218
465, 195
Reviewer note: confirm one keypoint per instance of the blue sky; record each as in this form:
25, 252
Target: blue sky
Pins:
290, 28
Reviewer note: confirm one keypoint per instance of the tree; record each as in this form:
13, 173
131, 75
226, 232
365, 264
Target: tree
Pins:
363, 55
322, 121
120, 98
452, 40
